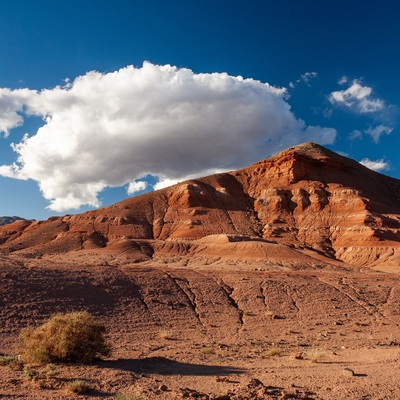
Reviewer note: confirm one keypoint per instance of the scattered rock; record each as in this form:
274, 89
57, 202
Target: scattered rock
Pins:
254, 383
193, 394
348, 372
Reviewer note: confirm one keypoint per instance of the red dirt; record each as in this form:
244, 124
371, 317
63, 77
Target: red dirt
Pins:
163, 319
225, 287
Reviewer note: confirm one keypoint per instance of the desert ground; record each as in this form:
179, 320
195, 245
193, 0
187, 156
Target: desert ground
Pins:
276, 281
208, 331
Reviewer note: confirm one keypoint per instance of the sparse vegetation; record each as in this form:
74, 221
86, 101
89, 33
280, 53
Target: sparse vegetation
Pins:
48, 372
207, 350
72, 337
273, 352
316, 355
31, 373
272, 315
166, 335
78, 386
11, 361
6, 359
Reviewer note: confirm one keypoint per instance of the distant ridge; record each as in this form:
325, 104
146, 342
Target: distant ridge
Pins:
9, 220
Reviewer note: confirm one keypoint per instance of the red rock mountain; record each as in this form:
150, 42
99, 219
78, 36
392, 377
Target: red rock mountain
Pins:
306, 205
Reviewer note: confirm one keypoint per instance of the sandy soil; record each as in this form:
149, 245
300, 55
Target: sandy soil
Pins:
232, 332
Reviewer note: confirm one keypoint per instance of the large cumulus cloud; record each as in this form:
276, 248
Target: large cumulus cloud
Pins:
111, 129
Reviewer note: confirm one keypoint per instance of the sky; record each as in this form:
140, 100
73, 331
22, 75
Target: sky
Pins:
101, 100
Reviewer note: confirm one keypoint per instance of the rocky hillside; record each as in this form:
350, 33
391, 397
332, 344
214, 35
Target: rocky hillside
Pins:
303, 205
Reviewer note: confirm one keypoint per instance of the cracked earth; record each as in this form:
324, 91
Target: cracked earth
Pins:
207, 332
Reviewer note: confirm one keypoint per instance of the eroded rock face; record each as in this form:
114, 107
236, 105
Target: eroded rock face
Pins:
307, 197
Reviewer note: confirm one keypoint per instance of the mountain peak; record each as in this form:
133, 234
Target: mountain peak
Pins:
313, 151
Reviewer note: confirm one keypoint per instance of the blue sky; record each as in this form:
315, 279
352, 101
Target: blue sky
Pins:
183, 89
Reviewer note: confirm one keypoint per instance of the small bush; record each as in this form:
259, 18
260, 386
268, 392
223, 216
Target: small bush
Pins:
316, 355
273, 352
72, 337
166, 335
31, 373
49, 371
207, 350
78, 386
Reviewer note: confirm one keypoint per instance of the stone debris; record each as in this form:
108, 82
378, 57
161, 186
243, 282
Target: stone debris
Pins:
348, 372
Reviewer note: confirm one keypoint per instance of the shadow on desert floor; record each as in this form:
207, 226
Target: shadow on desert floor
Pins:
166, 366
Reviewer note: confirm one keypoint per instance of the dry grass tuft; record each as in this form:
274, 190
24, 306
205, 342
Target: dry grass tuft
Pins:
78, 386
273, 352
7, 359
316, 355
73, 337
12, 362
48, 372
207, 350
166, 335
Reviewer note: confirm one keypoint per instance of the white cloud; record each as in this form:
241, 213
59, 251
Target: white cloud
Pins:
11, 106
137, 186
375, 132
357, 97
165, 182
306, 78
378, 131
378, 165
326, 112
356, 134
107, 130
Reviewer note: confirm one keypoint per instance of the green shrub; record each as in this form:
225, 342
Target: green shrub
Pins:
72, 337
